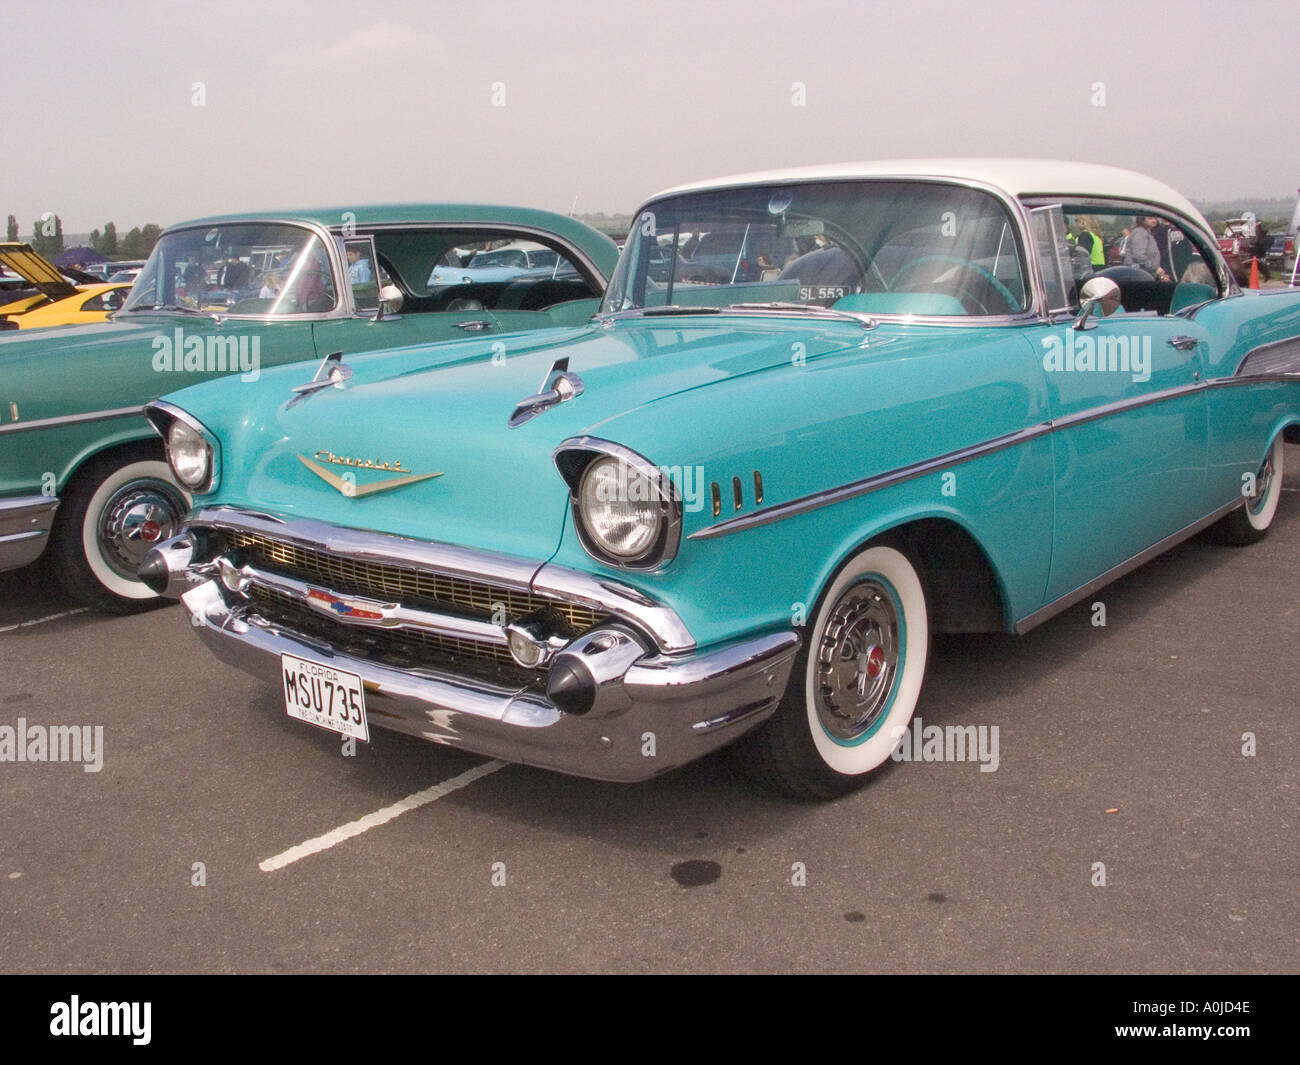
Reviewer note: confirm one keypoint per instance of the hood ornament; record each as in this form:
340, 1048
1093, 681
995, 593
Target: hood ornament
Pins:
558, 387
331, 373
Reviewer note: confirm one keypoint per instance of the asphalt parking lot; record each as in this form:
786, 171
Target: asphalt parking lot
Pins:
1120, 745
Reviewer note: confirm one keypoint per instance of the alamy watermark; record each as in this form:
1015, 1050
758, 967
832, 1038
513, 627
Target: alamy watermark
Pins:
947, 743
133, 1019
53, 743
1079, 351
626, 488
179, 353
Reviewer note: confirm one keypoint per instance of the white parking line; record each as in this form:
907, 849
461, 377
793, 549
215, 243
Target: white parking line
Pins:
42, 621
379, 817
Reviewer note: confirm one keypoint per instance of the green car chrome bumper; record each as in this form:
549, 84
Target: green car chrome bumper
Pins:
25, 523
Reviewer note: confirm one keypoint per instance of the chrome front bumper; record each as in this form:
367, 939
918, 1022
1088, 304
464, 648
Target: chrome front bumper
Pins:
25, 523
659, 712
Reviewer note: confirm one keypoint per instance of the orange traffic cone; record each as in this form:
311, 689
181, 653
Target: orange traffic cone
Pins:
1254, 272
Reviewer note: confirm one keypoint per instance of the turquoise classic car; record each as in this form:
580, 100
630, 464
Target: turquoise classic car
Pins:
82, 473
821, 415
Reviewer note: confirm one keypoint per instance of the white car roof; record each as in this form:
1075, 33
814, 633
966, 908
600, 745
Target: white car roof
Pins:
1017, 177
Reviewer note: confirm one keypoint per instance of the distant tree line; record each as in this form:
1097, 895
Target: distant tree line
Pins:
47, 238
137, 244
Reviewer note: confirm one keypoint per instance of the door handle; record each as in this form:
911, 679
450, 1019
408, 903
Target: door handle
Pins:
478, 325
1183, 342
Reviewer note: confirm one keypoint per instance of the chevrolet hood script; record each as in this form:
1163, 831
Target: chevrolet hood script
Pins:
347, 484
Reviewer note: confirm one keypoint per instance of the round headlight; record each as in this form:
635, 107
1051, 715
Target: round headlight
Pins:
621, 509
189, 455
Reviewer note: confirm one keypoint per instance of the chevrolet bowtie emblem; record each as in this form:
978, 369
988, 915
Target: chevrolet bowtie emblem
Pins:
348, 483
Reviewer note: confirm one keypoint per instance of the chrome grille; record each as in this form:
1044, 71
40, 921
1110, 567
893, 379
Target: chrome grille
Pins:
402, 648
401, 584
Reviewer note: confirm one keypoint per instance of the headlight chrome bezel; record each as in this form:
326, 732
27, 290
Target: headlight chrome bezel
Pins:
169, 420
580, 458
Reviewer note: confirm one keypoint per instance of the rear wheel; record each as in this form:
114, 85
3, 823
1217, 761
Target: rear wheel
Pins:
1250, 523
117, 508
855, 684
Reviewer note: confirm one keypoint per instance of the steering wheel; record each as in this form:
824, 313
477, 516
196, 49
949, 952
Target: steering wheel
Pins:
991, 281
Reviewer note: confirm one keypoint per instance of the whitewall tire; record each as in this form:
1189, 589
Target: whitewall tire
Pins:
117, 508
855, 683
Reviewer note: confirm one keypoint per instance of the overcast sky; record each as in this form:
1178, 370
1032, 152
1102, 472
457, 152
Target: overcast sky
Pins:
603, 103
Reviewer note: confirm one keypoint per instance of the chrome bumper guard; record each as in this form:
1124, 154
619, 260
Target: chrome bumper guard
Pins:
25, 523
658, 713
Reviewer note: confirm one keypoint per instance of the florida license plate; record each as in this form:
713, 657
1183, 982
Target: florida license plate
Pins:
324, 696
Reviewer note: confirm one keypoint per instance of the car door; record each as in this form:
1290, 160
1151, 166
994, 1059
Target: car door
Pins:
1130, 432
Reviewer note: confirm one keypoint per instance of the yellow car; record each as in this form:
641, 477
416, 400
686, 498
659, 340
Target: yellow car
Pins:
93, 303
57, 300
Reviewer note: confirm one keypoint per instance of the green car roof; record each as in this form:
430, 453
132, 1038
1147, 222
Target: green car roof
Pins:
599, 247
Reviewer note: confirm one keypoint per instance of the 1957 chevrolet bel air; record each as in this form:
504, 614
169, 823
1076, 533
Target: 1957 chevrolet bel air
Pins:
820, 415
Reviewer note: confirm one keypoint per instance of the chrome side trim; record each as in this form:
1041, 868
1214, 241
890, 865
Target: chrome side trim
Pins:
1068, 600
71, 419
1255, 379
780, 511
544, 579
1119, 406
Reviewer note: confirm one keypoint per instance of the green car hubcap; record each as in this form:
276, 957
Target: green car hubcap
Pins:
138, 516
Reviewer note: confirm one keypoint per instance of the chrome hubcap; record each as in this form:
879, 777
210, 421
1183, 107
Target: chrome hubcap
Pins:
857, 660
138, 516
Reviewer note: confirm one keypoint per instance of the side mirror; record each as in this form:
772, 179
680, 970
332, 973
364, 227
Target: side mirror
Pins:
390, 301
1100, 294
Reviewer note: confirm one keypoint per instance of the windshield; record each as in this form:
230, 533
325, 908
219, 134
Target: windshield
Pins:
237, 268
875, 247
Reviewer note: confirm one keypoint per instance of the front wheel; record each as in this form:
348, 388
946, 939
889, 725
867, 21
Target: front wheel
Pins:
116, 509
855, 684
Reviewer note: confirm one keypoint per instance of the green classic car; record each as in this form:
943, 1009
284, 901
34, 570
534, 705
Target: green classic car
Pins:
82, 473
821, 415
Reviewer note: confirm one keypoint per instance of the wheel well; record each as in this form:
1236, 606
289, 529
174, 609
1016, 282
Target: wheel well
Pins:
126, 451
961, 586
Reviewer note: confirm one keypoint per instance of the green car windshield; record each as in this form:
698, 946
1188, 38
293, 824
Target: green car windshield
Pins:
260, 268
868, 246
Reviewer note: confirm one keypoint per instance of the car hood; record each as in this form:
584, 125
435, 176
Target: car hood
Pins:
443, 410
692, 391
29, 264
